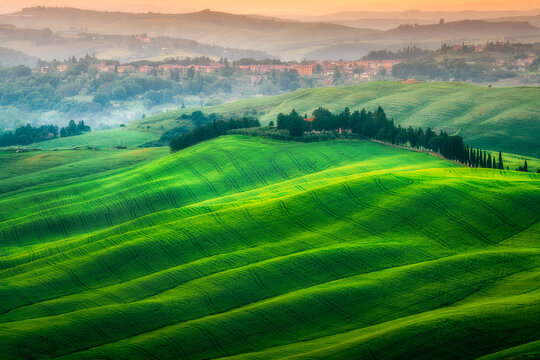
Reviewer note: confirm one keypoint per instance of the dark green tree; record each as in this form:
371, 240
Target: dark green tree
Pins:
296, 124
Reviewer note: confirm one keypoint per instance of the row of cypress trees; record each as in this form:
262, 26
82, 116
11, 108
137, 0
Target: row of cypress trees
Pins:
366, 124
482, 159
376, 125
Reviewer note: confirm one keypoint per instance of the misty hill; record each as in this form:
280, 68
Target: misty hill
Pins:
47, 45
284, 38
385, 20
533, 20
469, 29
230, 30
10, 58
430, 37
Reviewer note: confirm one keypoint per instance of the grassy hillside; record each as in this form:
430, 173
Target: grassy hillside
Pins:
498, 119
101, 139
253, 248
45, 168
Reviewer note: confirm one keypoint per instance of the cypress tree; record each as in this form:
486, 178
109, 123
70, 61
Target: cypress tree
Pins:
488, 164
481, 159
501, 165
296, 128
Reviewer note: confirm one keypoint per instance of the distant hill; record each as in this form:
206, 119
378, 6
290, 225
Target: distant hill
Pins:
230, 30
385, 20
533, 20
468, 29
48, 45
10, 58
284, 38
418, 14
499, 119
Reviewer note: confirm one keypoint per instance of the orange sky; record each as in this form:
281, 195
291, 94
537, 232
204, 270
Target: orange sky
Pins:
308, 7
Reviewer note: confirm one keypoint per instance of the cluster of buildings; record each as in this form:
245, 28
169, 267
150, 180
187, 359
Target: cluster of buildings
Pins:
360, 69
184, 68
318, 67
59, 68
304, 70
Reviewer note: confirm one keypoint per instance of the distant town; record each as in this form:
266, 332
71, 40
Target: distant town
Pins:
514, 59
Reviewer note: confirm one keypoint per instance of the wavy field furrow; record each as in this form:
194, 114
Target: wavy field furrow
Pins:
252, 248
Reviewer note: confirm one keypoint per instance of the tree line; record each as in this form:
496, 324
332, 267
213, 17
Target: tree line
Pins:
209, 131
28, 134
376, 125
325, 125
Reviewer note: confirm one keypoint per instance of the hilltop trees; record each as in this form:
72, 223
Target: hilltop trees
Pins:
297, 126
292, 122
29, 134
209, 131
73, 129
376, 125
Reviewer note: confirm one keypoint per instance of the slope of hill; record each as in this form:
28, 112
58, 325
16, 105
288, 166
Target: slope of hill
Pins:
251, 248
531, 19
10, 58
48, 45
412, 16
285, 38
41, 169
281, 37
102, 139
498, 119
466, 29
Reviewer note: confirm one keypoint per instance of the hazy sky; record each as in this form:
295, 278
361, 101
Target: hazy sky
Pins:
308, 7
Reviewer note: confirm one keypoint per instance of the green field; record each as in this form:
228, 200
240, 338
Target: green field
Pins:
497, 119
102, 139
251, 248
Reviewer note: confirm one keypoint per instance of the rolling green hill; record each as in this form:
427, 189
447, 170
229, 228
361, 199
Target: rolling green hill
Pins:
498, 119
101, 139
251, 248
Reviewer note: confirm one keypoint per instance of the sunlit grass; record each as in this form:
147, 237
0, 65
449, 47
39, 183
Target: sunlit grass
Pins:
253, 248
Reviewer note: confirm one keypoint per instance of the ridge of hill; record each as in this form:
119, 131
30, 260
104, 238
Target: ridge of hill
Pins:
278, 37
54, 45
497, 119
10, 58
253, 248
469, 29
531, 19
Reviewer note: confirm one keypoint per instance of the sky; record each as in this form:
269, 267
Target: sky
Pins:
297, 7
